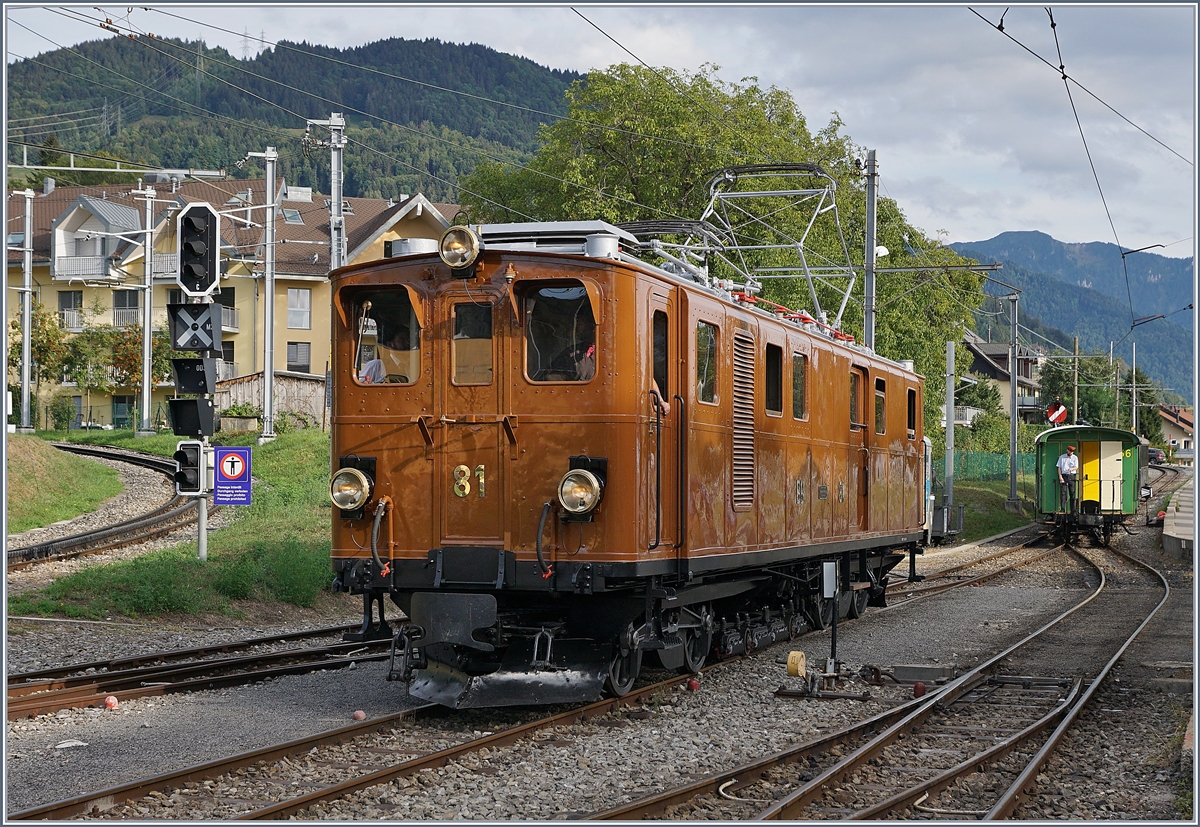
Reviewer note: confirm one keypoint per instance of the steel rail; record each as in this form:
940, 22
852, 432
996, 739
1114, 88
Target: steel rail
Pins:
790, 805
173, 654
154, 523
916, 594
1026, 782
80, 697
115, 796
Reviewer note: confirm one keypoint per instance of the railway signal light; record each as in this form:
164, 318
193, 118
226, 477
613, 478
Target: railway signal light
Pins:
189, 467
192, 417
194, 326
199, 238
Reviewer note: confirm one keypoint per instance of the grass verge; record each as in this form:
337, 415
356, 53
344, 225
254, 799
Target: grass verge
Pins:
52, 485
277, 549
984, 514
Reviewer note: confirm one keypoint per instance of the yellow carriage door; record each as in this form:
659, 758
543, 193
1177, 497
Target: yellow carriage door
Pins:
1101, 470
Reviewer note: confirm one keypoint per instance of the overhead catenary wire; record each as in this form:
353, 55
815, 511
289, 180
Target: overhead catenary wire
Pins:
1000, 29
1091, 163
380, 119
435, 87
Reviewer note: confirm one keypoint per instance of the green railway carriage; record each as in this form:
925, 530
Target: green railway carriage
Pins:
1111, 463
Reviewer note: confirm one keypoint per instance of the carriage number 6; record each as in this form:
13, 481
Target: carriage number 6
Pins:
462, 481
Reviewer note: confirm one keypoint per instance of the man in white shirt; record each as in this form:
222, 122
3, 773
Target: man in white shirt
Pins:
1068, 469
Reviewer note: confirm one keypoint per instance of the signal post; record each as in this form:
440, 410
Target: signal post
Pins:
194, 330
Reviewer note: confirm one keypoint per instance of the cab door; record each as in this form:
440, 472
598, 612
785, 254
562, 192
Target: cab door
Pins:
662, 435
469, 463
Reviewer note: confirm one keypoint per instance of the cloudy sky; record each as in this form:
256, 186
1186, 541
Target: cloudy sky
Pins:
975, 135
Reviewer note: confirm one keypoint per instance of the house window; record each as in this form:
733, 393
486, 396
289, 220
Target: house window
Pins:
125, 300
122, 413
880, 405
299, 308
87, 246
175, 296
706, 362
773, 398
291, 216
299, 355
16, 239
225, 296
70, 309
227, 352
799, 386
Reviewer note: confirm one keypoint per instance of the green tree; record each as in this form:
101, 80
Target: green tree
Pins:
600, 164
47, 344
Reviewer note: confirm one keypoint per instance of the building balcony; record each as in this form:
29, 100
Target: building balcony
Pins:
127, 316
83, 267
226, 370
229, 319
1029, 403
165, 264
71, 320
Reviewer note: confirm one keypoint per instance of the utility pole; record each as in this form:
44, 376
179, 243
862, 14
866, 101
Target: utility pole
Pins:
869, 256
147, 427
1012, 504
268, 431
26, 426
1133, 396
1075, 403
950, 378
337, 227
1116, 393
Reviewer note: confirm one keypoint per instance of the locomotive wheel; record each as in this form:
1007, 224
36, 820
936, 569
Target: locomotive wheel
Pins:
820, 612
623, 666
696, 645
858, 603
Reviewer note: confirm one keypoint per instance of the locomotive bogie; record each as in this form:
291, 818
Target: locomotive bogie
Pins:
589, 459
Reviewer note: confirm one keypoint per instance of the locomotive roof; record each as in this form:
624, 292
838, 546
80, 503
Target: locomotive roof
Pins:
557, 235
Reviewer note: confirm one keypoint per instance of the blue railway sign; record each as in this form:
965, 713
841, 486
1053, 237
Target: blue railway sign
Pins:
231, 477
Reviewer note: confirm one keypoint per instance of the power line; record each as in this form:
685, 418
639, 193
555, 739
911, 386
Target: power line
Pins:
459, 92
1066, 77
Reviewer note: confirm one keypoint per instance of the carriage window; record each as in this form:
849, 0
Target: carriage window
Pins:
560, 335
880, 405
773, 398
855, 419
706, 362
387, 338
799, 379
912, 413
659, 355
471, 347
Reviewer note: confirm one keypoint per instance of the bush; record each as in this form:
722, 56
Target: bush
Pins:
62, 411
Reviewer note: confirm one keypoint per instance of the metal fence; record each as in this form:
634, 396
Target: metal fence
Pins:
979, 465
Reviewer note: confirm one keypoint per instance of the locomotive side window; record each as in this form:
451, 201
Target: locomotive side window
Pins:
912, 413
706, 362
387, 338
660, 357
880, 405
799, 381
560, 335
471, 347
774, 380
855, 419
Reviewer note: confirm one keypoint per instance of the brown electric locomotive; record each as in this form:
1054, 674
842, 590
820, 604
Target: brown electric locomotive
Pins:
555, 458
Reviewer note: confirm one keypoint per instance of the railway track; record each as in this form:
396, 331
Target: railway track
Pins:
974, 750
90, 684
177, 512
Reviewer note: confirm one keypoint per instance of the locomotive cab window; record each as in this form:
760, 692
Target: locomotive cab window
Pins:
387, 338
560, 334
855, 404
799, 386
912, 413
706, 362
471, 347
773, 398
880, 405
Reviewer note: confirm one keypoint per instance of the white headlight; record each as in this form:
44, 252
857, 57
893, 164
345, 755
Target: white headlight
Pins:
459, 247
350, 489
579, 492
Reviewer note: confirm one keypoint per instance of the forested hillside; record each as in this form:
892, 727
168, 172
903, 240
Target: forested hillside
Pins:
1157, 283
114, 96
1164, 349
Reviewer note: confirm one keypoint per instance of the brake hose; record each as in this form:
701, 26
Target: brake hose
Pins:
379, 566
545, 570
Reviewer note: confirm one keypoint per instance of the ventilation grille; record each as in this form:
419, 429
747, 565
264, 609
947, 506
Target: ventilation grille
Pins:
743, 422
